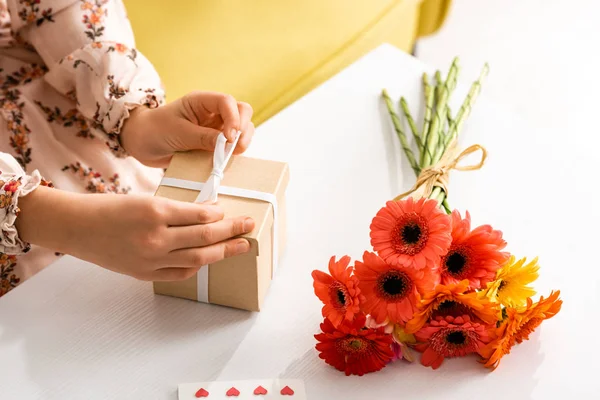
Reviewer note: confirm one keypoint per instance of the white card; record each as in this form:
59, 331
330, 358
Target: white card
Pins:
217, 390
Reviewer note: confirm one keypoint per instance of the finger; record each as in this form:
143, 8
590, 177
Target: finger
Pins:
173, 274
245, 111
182, 237
246, 126
245, 140
199, 256
230, 115
181, 213
189, 136
225, 106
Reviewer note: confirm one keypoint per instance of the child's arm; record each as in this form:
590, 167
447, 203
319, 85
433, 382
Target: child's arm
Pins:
149, 238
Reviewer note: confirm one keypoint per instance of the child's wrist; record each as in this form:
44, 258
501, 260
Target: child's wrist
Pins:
47, 218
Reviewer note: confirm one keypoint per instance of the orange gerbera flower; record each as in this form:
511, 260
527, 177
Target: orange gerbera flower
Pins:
391, 292
450, 337
413, 233
453, 300
474, 255
339, 291
518, 325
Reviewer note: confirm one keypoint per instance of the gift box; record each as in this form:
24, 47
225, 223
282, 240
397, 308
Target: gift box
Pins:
246, 187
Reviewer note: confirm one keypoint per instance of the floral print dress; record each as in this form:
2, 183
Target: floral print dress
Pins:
69, 75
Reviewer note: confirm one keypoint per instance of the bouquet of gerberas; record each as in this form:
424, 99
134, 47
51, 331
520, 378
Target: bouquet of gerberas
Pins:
433, 284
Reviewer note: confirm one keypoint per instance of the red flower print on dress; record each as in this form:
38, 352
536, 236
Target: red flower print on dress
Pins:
11, 186
114, 90
122, 49
8, 279
29, 12
95, 181
22, 76
93, 19
12, 110
71, 118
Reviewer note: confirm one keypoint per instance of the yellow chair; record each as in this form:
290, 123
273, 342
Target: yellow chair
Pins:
270, 52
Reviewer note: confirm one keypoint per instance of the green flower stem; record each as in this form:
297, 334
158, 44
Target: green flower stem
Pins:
465, 109
411, 123
429, 99
440, 114
439, 84
439, 195
401, 135
450, 119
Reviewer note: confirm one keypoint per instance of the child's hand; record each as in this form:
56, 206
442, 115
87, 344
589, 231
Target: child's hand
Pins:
149, 238
192, 122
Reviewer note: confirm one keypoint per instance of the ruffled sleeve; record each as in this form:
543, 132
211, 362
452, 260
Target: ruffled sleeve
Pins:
89, 49
14, 184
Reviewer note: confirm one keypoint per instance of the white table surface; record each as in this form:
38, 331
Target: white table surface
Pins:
76, 331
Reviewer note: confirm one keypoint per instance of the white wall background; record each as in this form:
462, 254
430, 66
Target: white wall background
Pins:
544, 58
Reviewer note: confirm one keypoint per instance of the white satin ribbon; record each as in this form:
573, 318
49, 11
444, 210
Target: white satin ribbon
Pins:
223, 152
210, 191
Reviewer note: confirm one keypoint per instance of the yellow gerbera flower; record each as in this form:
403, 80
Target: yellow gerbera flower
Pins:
511, 285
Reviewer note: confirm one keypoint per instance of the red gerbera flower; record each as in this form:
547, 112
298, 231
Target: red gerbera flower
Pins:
339, 291
352, 348
391, 292
474, 255
411, 233
450, 337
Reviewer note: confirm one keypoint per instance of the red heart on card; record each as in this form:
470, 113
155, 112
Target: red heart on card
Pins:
201, 393
287, 391
233, 392
260, 390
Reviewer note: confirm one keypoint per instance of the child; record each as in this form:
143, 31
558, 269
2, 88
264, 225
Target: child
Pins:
80, 107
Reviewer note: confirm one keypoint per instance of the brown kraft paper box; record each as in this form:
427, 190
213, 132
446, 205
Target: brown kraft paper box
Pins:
241, 281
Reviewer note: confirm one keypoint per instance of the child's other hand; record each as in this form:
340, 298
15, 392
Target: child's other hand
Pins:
192, 122
149, 238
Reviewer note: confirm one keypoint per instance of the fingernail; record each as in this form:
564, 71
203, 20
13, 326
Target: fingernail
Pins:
248, 224
235, 133
242, 247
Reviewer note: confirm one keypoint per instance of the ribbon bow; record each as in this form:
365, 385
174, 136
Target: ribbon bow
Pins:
439, 173
223, 152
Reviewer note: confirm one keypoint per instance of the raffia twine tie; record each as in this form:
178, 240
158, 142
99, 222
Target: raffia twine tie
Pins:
438, 174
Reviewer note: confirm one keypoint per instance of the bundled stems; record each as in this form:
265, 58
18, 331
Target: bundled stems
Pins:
435, 138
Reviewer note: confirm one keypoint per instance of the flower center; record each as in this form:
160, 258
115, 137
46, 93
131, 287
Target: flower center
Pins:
411, 233
456, 263
503, 283
451, 308
338, 295
454, 342
394, 285
456, 338
351, 344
